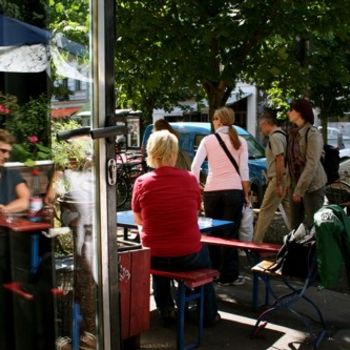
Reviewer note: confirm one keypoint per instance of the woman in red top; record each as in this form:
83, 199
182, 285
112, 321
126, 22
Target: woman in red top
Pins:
166, 202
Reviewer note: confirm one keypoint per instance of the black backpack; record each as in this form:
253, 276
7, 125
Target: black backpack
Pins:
330, 161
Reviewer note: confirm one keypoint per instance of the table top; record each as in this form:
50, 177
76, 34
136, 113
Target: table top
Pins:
126, 219
23, 225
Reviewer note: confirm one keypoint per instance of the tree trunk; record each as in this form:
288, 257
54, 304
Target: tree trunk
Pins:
148, 105
324, 115
217, 95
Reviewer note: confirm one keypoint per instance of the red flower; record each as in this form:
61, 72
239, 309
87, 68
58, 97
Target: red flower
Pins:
4, 109
33, 139
35, 171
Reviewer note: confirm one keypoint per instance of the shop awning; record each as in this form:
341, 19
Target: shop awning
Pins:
63, 112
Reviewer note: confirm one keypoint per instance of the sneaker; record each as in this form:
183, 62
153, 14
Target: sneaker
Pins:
87, 341
63, 343
240, 280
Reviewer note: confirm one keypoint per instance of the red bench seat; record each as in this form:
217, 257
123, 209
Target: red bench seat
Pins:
192, 279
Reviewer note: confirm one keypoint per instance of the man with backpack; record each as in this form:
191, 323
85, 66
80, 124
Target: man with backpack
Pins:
276, 191
308, 177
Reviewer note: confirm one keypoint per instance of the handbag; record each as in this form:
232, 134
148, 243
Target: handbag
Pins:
297, 254
246, 228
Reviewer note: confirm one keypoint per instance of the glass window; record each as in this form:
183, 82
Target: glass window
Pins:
255, 150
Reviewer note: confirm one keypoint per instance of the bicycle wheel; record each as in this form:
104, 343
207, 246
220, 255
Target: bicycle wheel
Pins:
122, 192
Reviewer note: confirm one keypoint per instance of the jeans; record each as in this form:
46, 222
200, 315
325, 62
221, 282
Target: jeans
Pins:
162, 286
225, 205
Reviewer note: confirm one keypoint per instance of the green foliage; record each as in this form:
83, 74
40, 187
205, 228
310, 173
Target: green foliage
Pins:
70, 18
30, 11
30, 119
169, 49
30, 153
29, 124
311, 60
64, 151
279, 99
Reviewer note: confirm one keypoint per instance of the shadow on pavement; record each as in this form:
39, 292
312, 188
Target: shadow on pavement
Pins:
227, 334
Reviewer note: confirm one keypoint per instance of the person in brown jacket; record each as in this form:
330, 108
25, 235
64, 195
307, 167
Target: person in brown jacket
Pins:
308, 178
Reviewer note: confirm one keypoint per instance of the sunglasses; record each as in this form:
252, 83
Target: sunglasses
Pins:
5, 150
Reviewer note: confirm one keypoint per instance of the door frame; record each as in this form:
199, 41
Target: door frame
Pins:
103, 39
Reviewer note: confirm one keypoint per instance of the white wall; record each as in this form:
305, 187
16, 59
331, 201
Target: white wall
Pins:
242, 90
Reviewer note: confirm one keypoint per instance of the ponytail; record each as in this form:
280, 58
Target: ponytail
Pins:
235, 141
226, 115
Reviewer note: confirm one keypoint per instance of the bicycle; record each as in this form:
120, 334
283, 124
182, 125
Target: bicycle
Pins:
130, 165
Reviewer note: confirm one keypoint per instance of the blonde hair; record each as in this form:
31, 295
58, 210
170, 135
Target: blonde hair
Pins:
226, 116
162, 148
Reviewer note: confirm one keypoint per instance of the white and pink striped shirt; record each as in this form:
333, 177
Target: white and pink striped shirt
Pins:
222, 175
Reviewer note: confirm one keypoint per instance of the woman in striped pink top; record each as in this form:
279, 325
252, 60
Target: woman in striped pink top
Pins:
225, 190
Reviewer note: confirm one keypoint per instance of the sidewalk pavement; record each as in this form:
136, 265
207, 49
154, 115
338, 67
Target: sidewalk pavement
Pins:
285, 332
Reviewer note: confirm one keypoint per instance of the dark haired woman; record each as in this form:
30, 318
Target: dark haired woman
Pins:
183, 161
308, 178
225, 189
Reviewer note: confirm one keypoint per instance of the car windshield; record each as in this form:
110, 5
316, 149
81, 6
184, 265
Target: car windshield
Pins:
255, 150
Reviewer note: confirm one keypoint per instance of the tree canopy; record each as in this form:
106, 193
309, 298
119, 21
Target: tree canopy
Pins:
169, 49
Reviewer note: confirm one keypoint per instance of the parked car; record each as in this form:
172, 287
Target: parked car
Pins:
335, 136
191, 134
344, 153
344, 169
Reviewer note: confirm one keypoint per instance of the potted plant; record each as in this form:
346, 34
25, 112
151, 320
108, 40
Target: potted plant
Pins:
68, 157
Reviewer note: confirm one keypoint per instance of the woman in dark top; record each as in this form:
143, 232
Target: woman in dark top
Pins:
14, 193
14, 196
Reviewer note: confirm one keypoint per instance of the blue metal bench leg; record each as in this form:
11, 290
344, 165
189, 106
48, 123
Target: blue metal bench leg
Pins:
182, 299
76, 326
201, 315
255, 293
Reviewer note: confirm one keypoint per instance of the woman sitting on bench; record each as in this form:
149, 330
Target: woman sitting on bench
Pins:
166, 202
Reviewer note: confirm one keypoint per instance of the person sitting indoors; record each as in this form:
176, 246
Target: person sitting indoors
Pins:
14, 197
183, 160
14, 193
166, 202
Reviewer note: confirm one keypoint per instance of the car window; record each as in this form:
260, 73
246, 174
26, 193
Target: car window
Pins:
255, 150
185, 143
197, 141
189, 142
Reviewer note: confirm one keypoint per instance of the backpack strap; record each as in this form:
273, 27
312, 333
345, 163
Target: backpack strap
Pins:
306, 134
229, 155
278, 132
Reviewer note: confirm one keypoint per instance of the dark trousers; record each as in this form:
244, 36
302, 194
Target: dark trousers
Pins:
225, 205
162, 286
304, 212
6, 305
